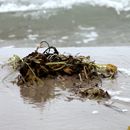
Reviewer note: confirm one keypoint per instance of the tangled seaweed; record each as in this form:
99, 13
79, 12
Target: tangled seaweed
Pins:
50, 64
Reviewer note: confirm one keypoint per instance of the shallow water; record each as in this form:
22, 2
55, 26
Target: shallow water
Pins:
65, 23
33, 109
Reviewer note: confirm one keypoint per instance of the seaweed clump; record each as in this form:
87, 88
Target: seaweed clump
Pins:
36, 67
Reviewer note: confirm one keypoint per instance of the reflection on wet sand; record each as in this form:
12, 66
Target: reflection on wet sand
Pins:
45, 92
67, 87
38, 94
51, 89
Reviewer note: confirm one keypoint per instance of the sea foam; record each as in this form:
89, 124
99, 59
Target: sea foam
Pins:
126, 71
124, 99
25, 5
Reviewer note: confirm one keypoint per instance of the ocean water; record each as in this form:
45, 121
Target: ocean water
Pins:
65, 23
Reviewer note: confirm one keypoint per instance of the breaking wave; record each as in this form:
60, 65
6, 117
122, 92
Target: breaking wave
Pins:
26, 5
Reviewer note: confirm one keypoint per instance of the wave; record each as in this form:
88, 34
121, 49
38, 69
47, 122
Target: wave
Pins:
25, 5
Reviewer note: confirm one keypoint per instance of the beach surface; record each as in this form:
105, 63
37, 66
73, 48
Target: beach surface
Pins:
25, 109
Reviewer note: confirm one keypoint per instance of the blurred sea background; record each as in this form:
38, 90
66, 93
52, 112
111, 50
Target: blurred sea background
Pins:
63, 23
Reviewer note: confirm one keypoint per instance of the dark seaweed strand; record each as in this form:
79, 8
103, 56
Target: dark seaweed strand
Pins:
45, 42
48, 50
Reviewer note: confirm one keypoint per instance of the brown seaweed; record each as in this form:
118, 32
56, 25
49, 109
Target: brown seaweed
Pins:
36, 67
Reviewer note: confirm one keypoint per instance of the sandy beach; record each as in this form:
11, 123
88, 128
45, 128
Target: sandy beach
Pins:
23, 109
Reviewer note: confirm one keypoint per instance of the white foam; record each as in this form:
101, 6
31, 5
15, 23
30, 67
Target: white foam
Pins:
124, 110
12, 7
33, 36
65, 37
86, 28
124, 99
113, 93
95, 112
78, 42
126, 71
91, 36
88, 40
12, 36
9, 6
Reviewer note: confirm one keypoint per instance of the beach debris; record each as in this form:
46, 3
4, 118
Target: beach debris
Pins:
107, 70
36, 67
94, 93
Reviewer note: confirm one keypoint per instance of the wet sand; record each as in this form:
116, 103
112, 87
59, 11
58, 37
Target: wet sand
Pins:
25, 109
